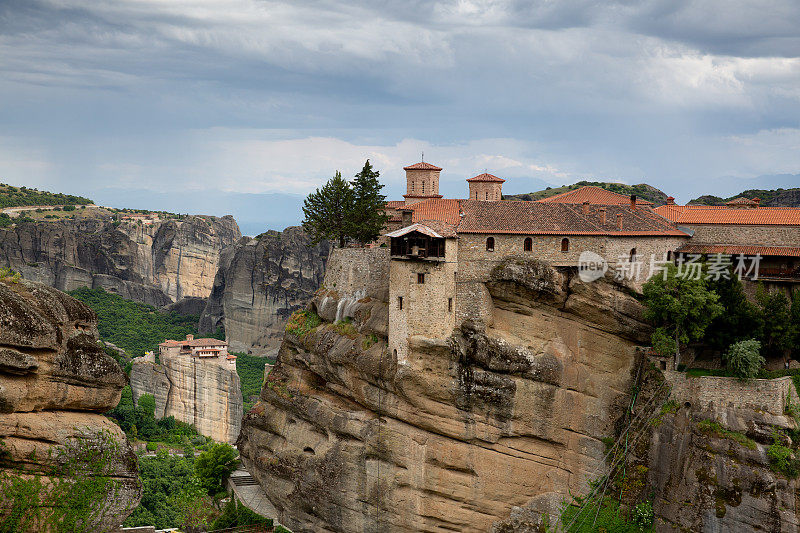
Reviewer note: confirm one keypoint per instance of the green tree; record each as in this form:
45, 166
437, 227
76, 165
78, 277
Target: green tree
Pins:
214, 465
778, 332
195, 509
148, 405
327, 211
743, 359
681, 308
368, 217
741, 320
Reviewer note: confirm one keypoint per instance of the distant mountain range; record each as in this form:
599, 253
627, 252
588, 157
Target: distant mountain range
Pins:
771, 197
642, 190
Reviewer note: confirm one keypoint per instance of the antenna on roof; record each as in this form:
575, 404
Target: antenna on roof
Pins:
423, 156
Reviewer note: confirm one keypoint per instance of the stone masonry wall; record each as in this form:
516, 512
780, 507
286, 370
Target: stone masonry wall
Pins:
744, 235
769, 395
485, 190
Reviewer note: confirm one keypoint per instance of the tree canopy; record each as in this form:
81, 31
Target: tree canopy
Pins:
681, 308
214, 465
343, 212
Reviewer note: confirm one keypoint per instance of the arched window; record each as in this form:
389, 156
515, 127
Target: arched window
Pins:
633, 255
528, 246
669, 255
565, 245
490, 244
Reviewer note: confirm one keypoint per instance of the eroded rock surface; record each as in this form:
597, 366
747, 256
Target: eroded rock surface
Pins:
462, 432
200, 391
260, 283
55, 380
157, 264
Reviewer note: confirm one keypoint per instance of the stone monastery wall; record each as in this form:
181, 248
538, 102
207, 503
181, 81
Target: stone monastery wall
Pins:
774, 235
769, 395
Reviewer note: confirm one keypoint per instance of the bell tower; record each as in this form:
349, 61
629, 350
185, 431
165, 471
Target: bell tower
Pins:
422, 182
486, 187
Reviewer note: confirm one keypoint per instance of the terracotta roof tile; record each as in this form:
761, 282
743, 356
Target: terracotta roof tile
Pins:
487, 177
782, 251
720, 214
444, 209
422, 166
741, 201
593, 195
521, 217
194, 342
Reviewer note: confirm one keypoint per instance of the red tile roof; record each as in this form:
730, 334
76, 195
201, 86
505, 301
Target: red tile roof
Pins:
537, 218
444, 209
422, 166
782, 251
742, 201
720, 214
593, 195
487, 177
194, 342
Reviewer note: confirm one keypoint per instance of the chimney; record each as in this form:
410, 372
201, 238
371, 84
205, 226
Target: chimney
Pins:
603, 216
586, 207
757, 201
189, 337
633, 202
670, 200
619, 221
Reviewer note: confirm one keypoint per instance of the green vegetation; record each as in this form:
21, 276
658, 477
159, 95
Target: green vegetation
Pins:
669, 407
251, 376
5, 220
743, 359
11, 196
591, 516
7, 274
135, 327
779, 331
68, 495
346, 328
782, 459
642, 190
681, 308
346, 212
214, 465
236, 515
768, 197
714, 428
302, 322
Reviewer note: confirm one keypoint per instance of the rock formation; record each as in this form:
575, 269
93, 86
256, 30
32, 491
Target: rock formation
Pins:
55, 381
157, 264
348, 438
260, 283
200, 391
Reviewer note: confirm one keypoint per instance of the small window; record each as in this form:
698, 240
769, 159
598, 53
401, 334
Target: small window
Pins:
449, 305
487, 195
400, 303
528, 246
490, 244
412, 186
423, 187
669, 255
633, 255
420, 278
565, 245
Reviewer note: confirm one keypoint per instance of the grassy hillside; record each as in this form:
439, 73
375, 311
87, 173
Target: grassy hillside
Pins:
769, 197
642, 190
11, 196
135, 327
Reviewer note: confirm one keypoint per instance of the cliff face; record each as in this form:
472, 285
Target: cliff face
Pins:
260, 283
55, 381
157, 264
348, 438
200, 391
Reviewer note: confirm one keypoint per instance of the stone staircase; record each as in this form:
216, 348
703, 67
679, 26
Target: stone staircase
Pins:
243, 481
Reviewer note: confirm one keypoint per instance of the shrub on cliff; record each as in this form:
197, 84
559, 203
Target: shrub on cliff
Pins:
681, 307
743, 359
214, 465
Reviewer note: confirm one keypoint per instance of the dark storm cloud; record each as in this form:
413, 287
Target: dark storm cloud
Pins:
256, 96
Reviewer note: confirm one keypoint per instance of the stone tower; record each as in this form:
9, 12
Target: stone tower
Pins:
422, 182
486, 187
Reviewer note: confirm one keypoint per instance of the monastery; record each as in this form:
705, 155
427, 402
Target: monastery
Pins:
201, 348
442, 251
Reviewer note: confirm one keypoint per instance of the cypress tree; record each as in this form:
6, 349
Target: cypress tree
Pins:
368, 218
328, 210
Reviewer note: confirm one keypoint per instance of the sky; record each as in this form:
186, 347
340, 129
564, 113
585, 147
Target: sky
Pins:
246, 106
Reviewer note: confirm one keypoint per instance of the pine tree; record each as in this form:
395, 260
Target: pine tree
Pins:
368, 218
328, 210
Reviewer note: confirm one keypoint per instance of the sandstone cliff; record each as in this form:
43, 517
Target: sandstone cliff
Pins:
348, 438
55, 381
200, 391
157, 264
260, 283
